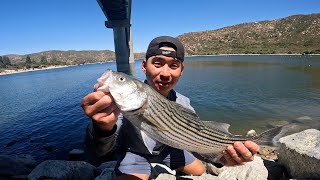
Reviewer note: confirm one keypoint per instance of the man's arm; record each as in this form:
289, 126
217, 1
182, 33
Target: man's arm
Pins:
101, 135
100, 145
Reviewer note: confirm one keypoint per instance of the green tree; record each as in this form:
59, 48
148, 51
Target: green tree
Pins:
6, 61
1, 62
20, 64
55, 61
28, 62
44, 60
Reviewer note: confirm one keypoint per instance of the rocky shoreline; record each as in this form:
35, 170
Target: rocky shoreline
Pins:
297, 157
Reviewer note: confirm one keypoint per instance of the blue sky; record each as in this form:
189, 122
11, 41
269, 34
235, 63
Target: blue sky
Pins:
29, 26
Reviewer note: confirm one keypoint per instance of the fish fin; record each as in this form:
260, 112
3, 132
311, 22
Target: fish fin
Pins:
187, 112
267, 138
210, 158
148, 142
282, 133
224, 127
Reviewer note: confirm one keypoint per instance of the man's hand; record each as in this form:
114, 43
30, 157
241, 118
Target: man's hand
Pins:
100, 107
240, 153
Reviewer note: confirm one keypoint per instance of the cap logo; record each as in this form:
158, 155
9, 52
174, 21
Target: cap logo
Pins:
166, 52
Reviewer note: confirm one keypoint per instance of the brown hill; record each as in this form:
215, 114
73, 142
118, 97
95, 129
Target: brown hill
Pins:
70, 57
294, 34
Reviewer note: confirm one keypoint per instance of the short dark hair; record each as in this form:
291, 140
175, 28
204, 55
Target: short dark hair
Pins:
165, 41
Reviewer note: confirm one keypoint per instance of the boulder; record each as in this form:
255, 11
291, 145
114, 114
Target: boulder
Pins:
166, 177
106, 174
173, 177
202, 177
107, 169
108, 165
16, 165
61, 169
251, 170
300, 154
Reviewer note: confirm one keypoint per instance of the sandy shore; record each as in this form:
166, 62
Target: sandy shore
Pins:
9, 71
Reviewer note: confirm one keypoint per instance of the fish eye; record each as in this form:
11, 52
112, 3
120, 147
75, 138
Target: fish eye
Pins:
122, 79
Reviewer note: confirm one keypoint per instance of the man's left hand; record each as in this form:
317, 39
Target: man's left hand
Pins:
240, 153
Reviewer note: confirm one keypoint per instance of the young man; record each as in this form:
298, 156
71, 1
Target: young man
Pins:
163, 67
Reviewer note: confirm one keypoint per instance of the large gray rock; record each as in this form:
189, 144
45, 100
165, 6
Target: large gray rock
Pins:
108, 165
166, 177
202, 177
250, 171
64, 170
300, 154
16, 165
107, 169
106, 174
173, 177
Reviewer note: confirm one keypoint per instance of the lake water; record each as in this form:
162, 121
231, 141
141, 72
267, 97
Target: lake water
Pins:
249, 92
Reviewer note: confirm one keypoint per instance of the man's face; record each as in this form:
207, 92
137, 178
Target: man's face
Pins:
162, 72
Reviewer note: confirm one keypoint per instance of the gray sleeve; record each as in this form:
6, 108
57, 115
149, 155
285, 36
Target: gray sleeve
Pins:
97, 144
101, 145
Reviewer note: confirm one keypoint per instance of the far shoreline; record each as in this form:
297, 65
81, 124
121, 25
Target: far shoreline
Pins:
10, 71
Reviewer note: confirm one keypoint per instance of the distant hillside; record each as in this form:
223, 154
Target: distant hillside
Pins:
70, 57
294, 34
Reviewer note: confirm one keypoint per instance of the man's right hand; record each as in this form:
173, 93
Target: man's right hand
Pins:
101, 108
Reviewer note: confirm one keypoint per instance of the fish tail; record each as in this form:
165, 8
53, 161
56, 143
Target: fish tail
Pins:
271, 136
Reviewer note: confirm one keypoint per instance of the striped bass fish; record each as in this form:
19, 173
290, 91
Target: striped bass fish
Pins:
169, 122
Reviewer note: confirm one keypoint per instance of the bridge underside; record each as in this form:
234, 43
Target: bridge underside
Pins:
118, 13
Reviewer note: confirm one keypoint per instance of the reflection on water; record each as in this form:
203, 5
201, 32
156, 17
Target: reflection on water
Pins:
227, 63
127, 68
313, 71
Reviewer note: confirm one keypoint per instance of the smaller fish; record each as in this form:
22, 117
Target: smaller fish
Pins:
170, 123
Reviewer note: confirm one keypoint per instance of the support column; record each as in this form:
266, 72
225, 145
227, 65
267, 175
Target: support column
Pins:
131, 54
122, 50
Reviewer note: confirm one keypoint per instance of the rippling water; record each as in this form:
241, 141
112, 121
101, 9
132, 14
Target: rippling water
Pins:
249, 92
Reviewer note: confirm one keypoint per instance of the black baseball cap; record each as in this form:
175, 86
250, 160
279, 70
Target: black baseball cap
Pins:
165, 41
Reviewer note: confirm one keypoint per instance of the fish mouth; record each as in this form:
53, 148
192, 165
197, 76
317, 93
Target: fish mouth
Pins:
104, 81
